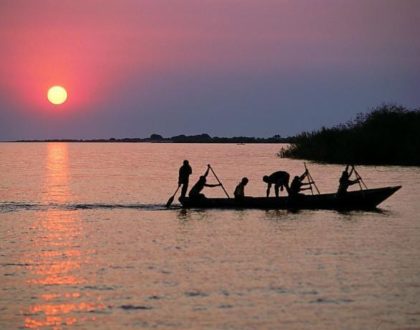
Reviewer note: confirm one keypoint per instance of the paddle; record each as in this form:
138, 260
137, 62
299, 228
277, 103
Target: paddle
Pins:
171, 199
221, 184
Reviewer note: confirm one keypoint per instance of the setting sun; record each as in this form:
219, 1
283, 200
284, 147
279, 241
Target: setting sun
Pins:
57, 95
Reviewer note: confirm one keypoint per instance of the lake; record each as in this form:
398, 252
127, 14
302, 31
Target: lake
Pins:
86, 243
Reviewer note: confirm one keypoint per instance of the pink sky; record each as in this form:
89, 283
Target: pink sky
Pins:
135, 55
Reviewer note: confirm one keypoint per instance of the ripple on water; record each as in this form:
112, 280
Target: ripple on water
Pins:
99, 288
135, 307
196, 293
86, 248
331, 301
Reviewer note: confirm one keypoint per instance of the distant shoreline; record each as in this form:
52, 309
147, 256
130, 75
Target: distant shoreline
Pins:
388, 135
155, 138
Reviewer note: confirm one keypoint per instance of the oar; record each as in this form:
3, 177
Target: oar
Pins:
171, 199
221, 184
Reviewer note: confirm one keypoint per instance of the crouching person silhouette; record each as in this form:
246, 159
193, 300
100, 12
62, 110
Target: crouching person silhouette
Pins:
195, 191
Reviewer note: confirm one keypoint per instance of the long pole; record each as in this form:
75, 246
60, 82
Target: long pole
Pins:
359, 178
308, 176
221, 184
311, 180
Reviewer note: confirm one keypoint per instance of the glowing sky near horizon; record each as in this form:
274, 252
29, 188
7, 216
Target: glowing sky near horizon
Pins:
223, 67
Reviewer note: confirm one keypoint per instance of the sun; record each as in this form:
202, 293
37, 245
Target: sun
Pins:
57, 95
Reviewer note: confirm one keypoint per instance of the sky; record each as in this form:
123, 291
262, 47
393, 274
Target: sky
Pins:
223, 67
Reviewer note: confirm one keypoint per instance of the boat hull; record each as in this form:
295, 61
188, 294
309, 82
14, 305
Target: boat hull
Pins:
352, 200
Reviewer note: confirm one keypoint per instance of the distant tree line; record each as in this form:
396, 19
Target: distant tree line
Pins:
200, 138
205, 138
389, 134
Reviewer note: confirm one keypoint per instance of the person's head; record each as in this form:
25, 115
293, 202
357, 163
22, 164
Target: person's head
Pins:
186, 162
265, 178
296, 178
202, 178
345, 174
244, 181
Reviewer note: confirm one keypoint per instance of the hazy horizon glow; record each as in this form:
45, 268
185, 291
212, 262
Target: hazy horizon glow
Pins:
223, 67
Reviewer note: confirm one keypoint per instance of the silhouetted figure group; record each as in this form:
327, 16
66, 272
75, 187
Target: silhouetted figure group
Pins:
279, 179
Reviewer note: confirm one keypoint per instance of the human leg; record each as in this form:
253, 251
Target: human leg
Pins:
184, 189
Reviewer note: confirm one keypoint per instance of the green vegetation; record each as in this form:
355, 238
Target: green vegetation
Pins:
389, 135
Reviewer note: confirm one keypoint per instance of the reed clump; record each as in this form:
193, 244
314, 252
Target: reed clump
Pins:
388, 135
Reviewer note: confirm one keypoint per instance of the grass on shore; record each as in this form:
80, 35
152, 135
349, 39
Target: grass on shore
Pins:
388, 135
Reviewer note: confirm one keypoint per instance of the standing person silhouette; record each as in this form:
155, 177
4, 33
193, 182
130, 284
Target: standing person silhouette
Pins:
184, 172
280, 179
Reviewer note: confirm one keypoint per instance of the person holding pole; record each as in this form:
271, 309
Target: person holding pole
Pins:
297, 184
345, 182
195, 191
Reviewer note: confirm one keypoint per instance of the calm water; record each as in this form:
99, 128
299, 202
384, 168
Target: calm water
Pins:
85, 243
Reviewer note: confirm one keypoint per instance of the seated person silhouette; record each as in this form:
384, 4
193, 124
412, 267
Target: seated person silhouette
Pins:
195, 191
297, 185
345, 181
280, 179
239, 192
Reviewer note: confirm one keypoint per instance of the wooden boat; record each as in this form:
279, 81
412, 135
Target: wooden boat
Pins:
353, 200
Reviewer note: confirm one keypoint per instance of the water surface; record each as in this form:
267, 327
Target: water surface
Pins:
85, 243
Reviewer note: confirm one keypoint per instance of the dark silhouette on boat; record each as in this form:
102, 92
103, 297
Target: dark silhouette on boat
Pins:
363, 199
279, 179
366, 199
195, 192
183, 179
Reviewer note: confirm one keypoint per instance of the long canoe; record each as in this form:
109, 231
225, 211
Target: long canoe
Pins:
353, 200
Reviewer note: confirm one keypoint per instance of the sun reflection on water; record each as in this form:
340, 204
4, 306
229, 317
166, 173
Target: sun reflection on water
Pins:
56, 257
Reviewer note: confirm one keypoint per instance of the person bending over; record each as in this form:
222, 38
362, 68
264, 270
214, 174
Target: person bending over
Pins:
279, 179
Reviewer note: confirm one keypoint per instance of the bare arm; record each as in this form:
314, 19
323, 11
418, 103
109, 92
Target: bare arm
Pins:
351, 171
307, 188
351, 182
212, 185
207, 172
